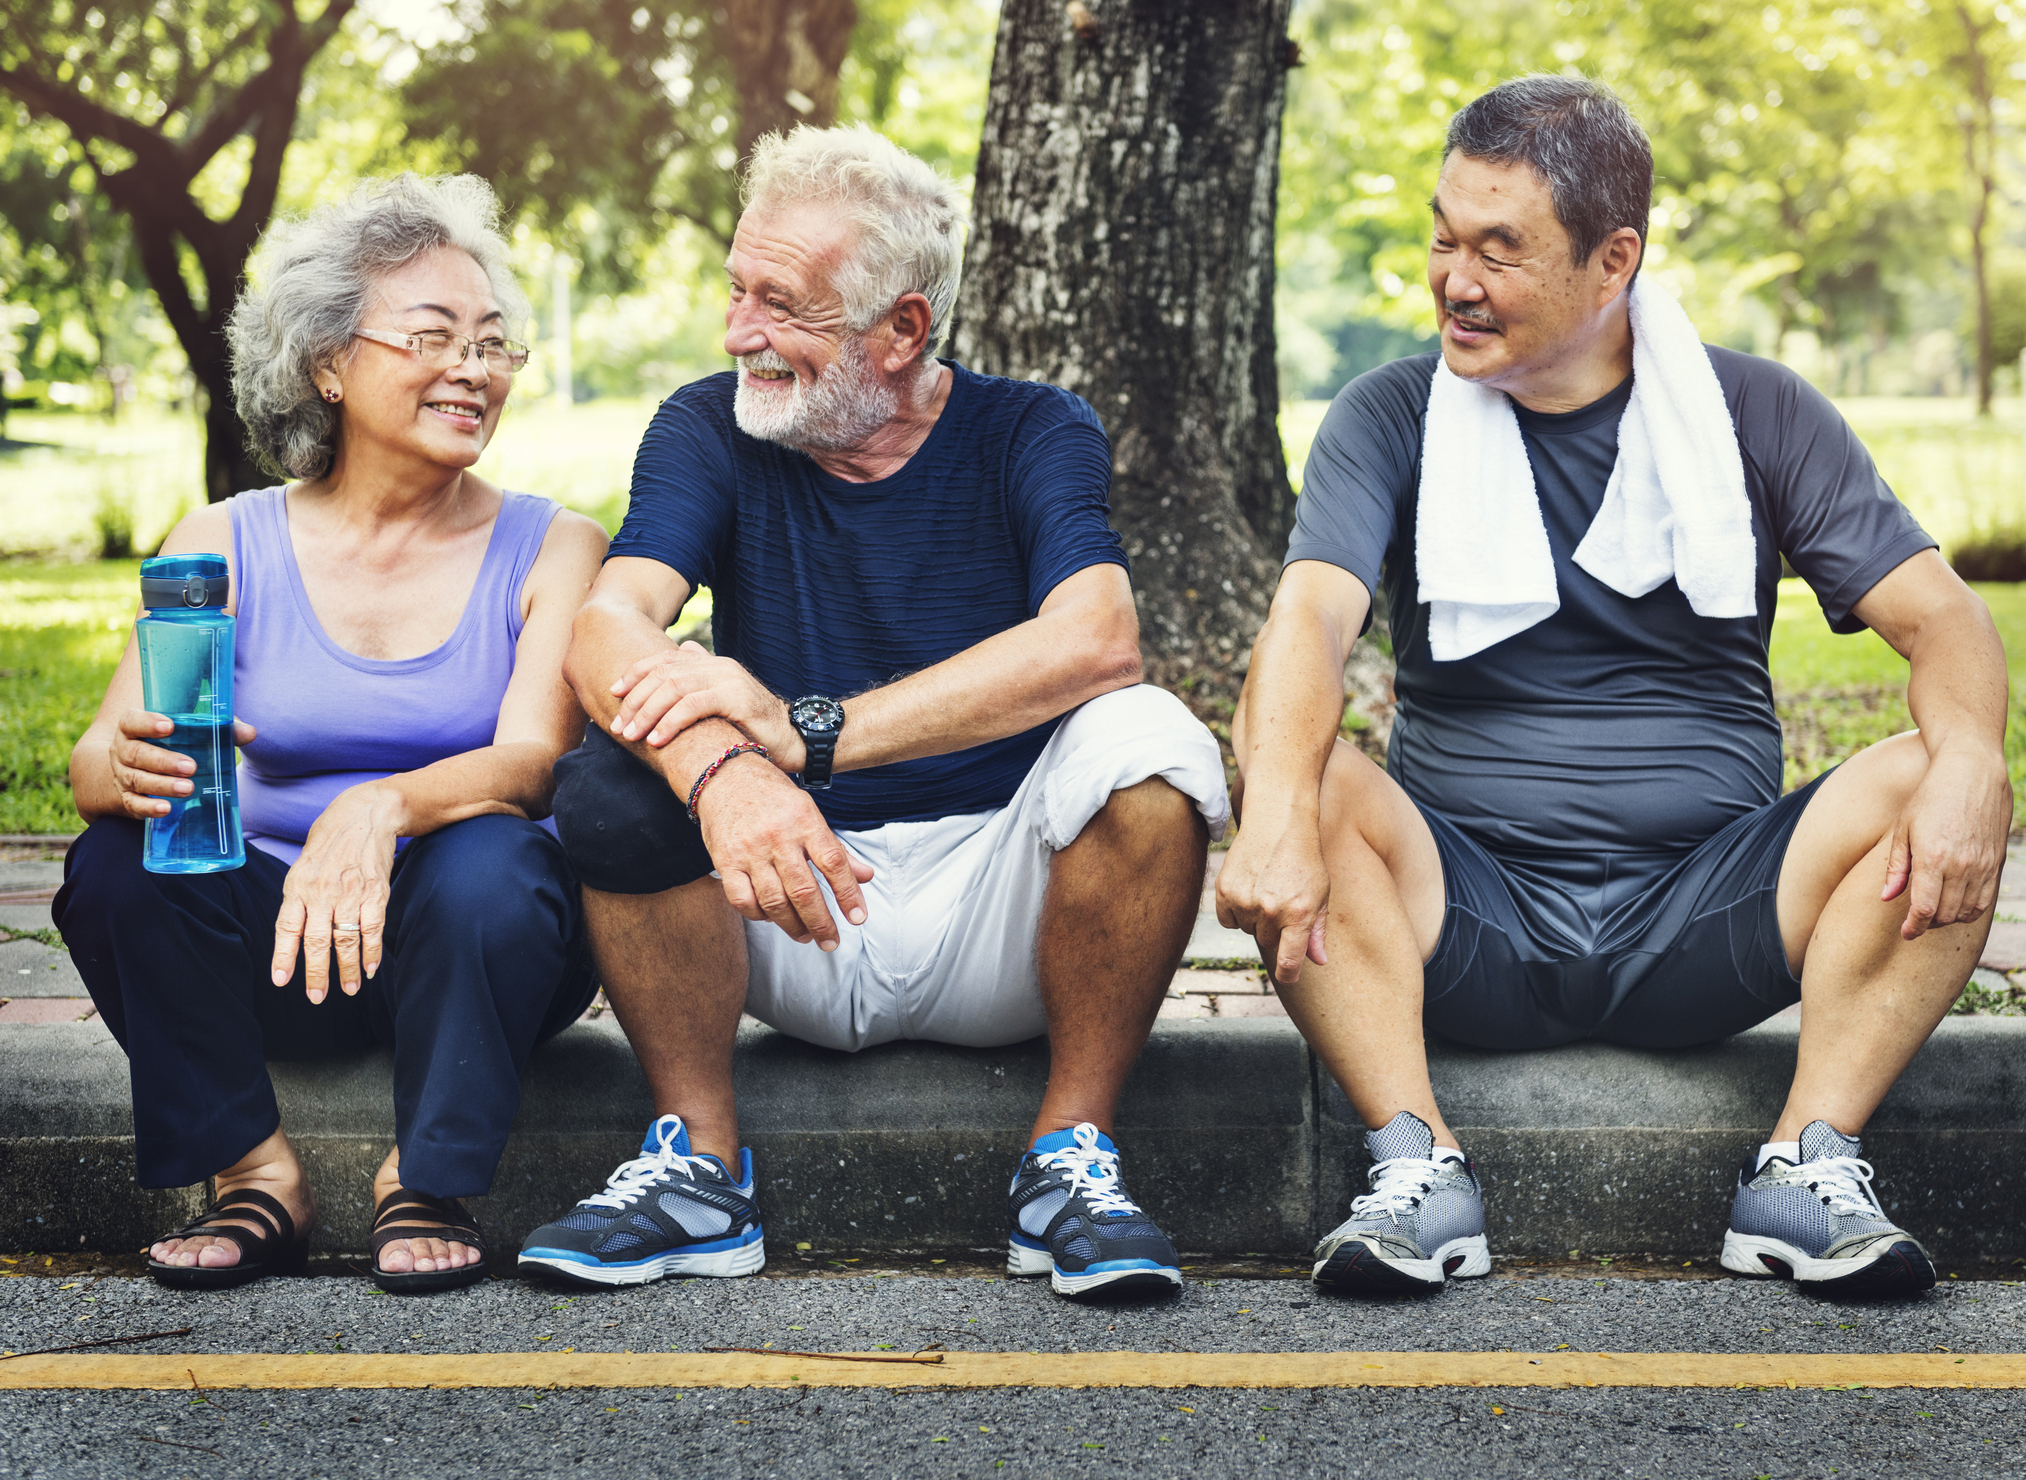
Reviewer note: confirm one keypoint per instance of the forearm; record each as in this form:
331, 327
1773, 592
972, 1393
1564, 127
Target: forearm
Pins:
516, 779
1956, 681
93, 791
608, 640
1289, 713
1005, 685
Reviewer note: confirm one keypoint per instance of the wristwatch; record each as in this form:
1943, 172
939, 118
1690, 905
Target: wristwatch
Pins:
819, 720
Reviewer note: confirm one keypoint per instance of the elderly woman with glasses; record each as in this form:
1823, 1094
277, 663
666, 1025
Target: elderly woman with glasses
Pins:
401, 628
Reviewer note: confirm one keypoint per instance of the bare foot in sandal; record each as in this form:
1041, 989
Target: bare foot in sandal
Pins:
271, 1167
416, 1255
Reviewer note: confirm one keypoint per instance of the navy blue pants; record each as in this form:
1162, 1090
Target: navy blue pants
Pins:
485, 955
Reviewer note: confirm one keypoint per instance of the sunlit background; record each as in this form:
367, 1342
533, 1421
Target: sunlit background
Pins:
1837, 187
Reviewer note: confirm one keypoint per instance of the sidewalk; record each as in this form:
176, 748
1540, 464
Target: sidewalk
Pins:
1231, 1127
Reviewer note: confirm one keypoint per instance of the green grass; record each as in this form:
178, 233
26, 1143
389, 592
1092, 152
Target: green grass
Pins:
61, 630
1838, 694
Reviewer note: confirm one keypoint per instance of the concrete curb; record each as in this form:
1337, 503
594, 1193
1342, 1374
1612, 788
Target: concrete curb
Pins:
1235, 1139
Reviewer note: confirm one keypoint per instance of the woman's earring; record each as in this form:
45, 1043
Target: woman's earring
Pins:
333, 396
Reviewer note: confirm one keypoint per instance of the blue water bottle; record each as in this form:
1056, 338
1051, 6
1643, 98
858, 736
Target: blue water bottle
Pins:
186, 673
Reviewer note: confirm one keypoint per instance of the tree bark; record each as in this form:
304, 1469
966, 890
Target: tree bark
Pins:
1122, 247
785, 57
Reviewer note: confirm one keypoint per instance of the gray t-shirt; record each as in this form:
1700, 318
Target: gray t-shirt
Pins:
1618, 725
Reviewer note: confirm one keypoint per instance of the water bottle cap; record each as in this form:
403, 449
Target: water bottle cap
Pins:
188, 582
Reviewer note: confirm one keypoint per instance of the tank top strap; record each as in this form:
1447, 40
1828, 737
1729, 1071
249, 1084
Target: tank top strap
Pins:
524, 520
260, 552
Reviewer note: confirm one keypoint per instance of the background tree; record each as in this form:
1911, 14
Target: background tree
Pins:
166, 102
638, 111
1980, 48
1122, 246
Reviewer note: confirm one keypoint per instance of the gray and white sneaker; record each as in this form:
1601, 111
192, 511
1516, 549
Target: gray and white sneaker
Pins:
1422, 1222
1819, 1223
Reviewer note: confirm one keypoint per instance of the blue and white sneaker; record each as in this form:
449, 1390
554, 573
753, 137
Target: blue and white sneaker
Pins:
668, 1211
1819, 1223
1421, 1224
1074, 1221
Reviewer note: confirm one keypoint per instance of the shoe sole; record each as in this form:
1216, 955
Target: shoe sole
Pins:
293, 1260
428, 1281
1358, 1268
1901, 1268
1025, 1263
719, 1264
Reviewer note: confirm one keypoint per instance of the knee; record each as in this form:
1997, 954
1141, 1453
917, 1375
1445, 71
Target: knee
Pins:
102, 874
1893, 770
1151, 816
504, 874
1353, 785
623, 830
1115, 745
1141, 715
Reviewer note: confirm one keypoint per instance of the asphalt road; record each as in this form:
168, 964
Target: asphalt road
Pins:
871, 1432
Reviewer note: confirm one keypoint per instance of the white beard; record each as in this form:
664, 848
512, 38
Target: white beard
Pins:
845, 405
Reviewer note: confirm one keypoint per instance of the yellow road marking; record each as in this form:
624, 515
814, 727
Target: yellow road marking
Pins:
1021, 1369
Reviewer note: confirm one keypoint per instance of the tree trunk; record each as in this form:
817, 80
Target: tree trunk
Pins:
154, 191
1980, 151
1123, 247
785, 57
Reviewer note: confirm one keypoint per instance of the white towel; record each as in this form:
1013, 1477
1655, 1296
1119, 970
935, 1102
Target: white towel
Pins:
1675, 505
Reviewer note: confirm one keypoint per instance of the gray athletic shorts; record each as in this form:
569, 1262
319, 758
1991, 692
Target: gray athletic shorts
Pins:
1647, 950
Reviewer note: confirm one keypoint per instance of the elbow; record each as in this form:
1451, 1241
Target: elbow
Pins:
1115, 663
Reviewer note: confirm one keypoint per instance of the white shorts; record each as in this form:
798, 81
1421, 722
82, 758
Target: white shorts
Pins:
947, 950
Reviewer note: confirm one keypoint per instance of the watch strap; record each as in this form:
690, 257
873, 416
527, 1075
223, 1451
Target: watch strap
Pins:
818, 753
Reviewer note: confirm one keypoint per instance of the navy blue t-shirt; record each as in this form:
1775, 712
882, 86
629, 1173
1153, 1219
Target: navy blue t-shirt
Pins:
820, 586
1620, 725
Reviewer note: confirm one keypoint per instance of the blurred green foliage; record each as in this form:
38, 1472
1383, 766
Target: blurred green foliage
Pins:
1810, 160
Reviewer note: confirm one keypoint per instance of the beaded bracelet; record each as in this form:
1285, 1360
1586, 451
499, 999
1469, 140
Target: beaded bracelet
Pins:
747, 748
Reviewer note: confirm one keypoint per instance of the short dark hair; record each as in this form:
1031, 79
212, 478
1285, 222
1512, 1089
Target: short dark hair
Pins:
1583, 141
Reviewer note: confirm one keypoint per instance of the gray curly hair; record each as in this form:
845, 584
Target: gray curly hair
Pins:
314, 279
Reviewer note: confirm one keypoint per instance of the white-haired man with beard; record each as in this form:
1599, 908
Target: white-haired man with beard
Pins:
919, 791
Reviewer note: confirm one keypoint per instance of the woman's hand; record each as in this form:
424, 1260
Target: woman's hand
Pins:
144, 772
335, 898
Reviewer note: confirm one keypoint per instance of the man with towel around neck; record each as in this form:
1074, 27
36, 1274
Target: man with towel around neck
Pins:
1580, 512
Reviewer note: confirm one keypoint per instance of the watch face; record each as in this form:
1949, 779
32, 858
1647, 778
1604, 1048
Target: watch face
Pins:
817, 714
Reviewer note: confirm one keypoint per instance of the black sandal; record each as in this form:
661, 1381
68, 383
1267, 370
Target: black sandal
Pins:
394, 1219
271, 1249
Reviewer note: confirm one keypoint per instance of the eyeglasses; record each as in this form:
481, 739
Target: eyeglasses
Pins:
440, 349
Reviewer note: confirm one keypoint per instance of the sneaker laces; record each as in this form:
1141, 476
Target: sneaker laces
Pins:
1398, 1185
1843, 1183
634, 1177
1093, 1171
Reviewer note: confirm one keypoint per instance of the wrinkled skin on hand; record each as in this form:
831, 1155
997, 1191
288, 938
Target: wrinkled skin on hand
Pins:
1275, 886
335, 898
769, 841
1948, 846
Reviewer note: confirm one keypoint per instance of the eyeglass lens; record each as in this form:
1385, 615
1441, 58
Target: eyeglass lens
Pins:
442, 348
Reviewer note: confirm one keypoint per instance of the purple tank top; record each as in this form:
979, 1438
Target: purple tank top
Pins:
329, 719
